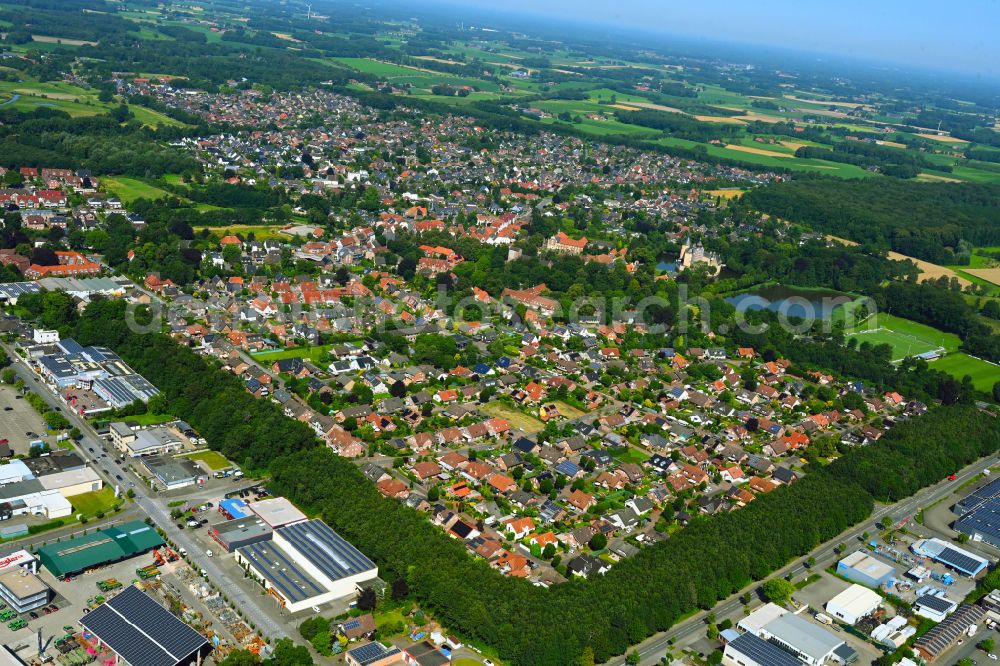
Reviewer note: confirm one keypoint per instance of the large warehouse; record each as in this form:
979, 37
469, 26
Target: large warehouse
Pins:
307, 564
860, 567
277, 512
749, 650
982, 522
853, 604
956, 558
144, 633
112, 544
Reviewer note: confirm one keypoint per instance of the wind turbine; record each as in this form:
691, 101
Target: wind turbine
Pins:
309, 11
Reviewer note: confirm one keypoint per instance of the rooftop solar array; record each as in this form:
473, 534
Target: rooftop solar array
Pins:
763, 652
984, 519
371, 653
961, 561
934, 602
142, 632
15, 289
325, 549
294, 584
990, 491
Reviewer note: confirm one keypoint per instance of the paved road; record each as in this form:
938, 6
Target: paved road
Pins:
117, 475
653, 649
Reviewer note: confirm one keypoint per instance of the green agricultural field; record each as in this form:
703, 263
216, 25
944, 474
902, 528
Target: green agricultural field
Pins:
129, 189
984, 375
213, 459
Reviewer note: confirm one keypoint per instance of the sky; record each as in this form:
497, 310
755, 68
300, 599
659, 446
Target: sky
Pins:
962, 35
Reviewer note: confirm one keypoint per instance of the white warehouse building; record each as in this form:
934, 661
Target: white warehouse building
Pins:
307, 564
853, 604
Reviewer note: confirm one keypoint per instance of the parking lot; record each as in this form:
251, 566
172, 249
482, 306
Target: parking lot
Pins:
17, 419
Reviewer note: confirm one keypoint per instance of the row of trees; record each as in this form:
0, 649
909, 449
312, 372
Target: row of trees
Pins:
710, 559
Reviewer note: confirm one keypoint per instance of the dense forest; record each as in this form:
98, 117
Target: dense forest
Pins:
707, 561
923, 220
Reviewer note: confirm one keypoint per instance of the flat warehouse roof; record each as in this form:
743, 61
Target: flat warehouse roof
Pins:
804, 636
141, 631
90, 550
326, 550
277, 511
281, 571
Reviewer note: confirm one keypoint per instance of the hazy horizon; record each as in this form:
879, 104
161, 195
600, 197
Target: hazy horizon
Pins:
962, 39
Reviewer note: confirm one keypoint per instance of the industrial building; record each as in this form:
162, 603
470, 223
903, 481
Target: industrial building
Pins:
970, 502
235, 534
853, 604
43, 485
749, 650
174, 473
860, 567
21, 559
951, 556
111, 544
307, 564
943, 636
23, 590
277, 512
934, 606
809, 642
143, 633
73, 365
148, 442
982, 523
233, 508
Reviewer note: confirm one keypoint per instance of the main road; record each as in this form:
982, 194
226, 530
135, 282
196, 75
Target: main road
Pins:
653, 649
91, 447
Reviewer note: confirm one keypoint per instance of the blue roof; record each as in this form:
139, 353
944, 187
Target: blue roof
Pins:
503, 362
235, 507
481, 369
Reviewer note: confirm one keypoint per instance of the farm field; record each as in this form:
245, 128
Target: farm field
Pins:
516, 418
213, 459
983, 374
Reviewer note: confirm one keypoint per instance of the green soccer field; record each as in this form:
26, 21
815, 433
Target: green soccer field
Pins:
903, 345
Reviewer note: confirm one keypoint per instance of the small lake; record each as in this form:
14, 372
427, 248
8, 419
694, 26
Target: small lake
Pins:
804, 303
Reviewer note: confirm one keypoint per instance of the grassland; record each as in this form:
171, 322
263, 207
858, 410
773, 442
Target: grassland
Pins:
516, 418
630, 455
149, 419
129, 189
213, 459
568, 411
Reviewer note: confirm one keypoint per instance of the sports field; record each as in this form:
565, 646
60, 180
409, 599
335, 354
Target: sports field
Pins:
984, 375
907, 338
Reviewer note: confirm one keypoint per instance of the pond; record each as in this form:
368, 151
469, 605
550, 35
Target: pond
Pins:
793, 302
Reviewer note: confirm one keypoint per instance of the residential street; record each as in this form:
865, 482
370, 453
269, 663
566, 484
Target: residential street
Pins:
654, 648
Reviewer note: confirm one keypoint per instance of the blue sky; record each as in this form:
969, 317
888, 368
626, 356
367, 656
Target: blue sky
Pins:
959, 35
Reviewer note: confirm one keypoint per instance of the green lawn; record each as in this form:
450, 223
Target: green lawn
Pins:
311, 353
92, 503
151, 419
984, 375
902, 345
630, 455
213, 459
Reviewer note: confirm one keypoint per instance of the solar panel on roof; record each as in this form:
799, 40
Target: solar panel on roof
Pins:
763, 652
959, 560
351, 624
372, 652
141, 631
934, 602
